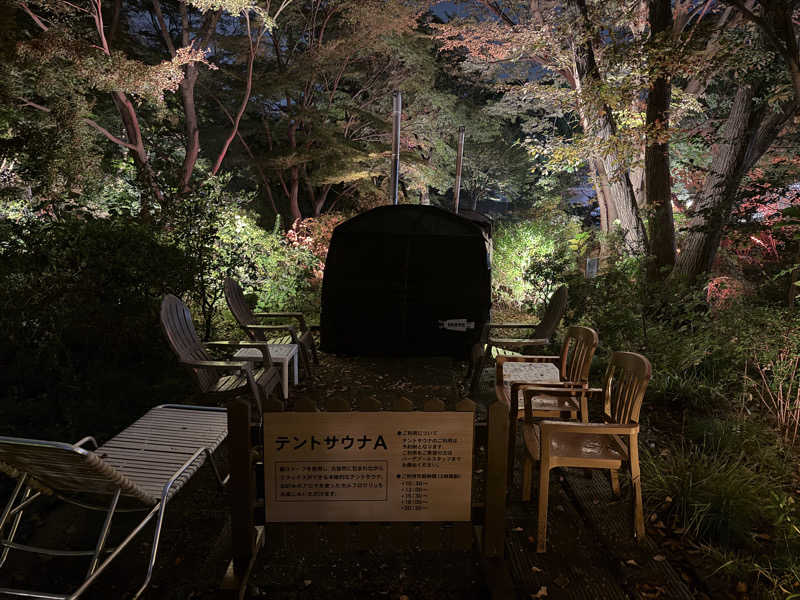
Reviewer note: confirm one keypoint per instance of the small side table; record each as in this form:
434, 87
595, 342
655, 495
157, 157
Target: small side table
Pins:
529, 372
281, 354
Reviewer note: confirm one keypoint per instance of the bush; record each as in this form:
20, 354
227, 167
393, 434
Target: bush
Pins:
712, 494
529, 260
81, 343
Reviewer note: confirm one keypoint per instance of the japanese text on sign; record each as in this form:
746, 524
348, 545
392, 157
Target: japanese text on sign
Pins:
384, 466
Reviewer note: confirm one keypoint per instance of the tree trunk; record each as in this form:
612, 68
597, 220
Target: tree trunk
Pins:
587, 73
191, 128
319, 204
130, 120
747, 134
424, 197
656, 156
294, 175
294, 187
608, 209
713, 207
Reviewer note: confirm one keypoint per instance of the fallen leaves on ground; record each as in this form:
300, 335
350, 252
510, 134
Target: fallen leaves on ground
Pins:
542, 593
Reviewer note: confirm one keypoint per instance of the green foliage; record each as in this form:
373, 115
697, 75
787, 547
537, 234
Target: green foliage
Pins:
220, 239
79, 327
715, 495
529, 260
609, 303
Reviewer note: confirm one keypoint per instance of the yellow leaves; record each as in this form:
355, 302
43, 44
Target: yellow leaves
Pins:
114, 72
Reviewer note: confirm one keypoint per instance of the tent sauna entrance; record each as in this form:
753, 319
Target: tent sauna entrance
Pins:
408, 280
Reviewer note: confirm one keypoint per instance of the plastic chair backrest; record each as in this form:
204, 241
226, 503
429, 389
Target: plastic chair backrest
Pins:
577, 352
626, 381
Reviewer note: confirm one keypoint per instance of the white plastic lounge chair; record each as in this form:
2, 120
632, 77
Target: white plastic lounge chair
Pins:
149, 462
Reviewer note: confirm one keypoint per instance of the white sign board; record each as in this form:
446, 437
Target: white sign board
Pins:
368, 466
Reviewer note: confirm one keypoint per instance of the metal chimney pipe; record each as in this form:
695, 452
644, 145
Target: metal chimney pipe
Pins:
397, 111
459, 160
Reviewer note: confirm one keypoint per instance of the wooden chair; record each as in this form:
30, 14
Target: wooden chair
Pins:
604, 445
568, 395
542, 335
248, 320
217, 379
146, 464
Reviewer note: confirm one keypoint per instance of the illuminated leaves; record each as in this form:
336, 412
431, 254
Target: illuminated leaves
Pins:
110, 73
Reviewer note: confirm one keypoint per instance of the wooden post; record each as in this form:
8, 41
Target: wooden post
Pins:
462, 532
459, 160
397, 111
242, 487
496, 479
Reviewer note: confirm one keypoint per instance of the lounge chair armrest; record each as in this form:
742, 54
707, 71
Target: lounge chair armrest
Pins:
264, 346
242, 344
549, 427
85, 440
292, 315
270, 327
218, 364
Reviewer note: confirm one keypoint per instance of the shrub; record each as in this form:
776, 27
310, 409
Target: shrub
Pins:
79, 329
711, 493
529, 259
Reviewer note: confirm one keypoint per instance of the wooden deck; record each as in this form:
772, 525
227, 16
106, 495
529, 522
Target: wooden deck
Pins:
591, 554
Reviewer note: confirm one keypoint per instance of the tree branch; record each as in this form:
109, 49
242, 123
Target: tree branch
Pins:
90, 122
33, 16
162, 25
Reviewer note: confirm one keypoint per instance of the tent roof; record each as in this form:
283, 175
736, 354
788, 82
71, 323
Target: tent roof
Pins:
410, 219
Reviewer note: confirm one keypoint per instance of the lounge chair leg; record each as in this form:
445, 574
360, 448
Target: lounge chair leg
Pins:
154, 549
17, 516
527, 479
544, 491
314, 352
101, 541
220, 480
615, 482
162, 507
306, 362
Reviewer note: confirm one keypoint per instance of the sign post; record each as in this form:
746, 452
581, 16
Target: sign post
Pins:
397, 111
459, 160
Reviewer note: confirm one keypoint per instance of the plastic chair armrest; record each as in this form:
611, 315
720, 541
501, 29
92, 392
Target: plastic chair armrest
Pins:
549, 427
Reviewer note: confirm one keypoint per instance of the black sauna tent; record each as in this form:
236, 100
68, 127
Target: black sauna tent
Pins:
406, 280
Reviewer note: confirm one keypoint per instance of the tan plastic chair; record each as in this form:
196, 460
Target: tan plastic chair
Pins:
604, 445
147, 463
217, 379
542, 335
249, 322
568, 395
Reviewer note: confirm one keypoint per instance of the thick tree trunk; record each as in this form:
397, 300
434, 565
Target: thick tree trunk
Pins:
608, 209
747, 134
713, 207
656, 156
587, 73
